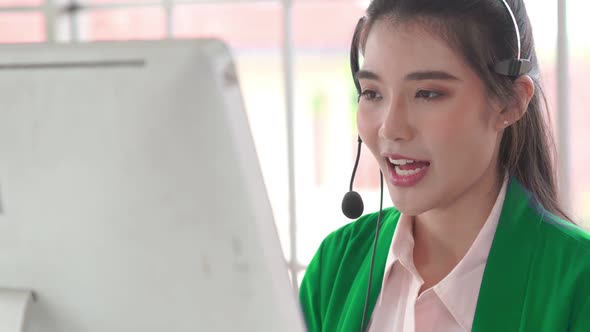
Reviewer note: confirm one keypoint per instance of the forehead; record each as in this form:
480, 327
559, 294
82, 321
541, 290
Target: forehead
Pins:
405, 47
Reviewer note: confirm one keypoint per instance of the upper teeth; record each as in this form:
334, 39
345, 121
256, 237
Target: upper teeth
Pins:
400, 162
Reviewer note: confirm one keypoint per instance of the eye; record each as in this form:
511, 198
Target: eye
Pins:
427, 94
370, 95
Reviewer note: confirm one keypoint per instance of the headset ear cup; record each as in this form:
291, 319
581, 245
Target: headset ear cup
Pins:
512, 68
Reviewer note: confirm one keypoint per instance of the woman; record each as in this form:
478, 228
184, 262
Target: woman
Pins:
451, 107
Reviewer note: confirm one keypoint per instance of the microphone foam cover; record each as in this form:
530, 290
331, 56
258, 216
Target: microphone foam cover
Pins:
352, 205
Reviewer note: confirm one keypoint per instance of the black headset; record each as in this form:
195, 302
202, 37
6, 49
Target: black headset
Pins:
352, 203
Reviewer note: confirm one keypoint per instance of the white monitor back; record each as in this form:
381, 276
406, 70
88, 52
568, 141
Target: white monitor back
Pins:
131, 195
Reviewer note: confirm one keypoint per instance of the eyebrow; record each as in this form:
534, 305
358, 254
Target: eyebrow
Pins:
431, 75
414, 76
367, 75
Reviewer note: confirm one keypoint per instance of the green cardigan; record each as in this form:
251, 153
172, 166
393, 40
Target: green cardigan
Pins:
537, 277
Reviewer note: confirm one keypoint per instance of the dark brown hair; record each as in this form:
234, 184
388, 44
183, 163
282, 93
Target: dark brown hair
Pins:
482, 31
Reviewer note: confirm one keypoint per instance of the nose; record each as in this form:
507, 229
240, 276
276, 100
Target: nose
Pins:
395, 125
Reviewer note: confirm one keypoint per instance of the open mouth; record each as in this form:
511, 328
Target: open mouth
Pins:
406, 167
406, 172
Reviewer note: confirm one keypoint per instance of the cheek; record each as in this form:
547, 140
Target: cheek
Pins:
368, 126
457, 121
462, 138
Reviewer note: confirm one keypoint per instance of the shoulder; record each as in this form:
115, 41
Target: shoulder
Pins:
566, 250
331, 274
569, 231
557, 239
569, 247
565, 237
343, 252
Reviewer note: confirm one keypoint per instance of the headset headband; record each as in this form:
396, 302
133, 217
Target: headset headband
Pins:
513, 67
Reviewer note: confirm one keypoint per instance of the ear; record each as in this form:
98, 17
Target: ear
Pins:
524, 87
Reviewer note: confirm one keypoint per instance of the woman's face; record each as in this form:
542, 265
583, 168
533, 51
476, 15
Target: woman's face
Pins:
426, 117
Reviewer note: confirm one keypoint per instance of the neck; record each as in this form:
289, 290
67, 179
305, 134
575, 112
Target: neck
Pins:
443, 236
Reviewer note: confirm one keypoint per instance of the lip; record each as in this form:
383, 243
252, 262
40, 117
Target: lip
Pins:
399, 156
404, 180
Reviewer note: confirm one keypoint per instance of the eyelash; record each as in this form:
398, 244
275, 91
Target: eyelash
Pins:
371, 95
365, 94
428, 92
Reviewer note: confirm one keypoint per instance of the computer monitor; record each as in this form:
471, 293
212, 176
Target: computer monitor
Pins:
131, 194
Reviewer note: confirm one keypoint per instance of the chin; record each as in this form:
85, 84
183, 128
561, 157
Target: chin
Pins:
411, 206
412, 211
419, 199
